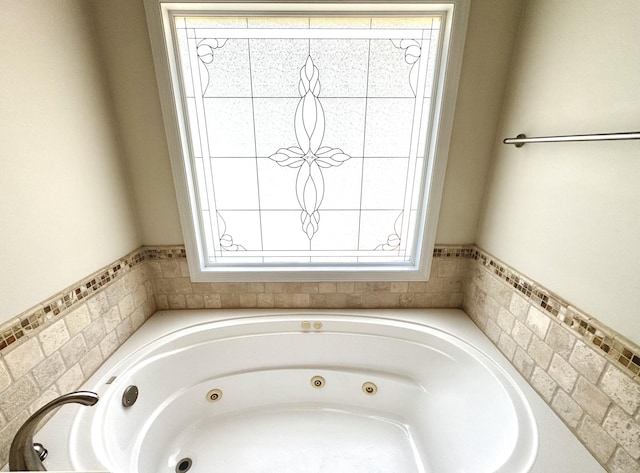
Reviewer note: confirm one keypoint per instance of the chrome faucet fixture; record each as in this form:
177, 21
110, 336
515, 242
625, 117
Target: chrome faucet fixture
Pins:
23, 455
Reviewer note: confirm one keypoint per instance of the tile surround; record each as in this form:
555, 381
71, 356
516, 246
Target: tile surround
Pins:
587, 373
598, 336
36, 317
174, 290
54, 347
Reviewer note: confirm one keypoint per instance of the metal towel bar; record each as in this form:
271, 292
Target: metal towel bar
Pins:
522, 139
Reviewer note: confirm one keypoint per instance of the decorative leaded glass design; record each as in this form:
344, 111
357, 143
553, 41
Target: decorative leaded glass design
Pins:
308, 136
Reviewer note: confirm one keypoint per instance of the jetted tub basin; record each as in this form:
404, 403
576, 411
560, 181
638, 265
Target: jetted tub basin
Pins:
401, 392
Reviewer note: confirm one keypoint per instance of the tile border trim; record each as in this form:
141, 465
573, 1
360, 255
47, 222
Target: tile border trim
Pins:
33, 320
614, 346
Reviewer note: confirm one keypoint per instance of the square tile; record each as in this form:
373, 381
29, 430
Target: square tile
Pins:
275, 66
376, 226
227, 69
229, 125
342, 65
274, 122
344, 122
338, 230
387, 193
239, 228
234, 183
342, 185
388, 71
389, 127
277, 186
282, 231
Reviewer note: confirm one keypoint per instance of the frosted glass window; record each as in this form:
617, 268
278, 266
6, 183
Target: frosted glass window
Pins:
308, 140
308, 137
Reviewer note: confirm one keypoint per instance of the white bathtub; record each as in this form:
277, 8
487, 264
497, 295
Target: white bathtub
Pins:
444, 399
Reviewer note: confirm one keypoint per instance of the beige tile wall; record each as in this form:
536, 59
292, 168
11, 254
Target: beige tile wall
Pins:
587, 373
67, 345
174, 290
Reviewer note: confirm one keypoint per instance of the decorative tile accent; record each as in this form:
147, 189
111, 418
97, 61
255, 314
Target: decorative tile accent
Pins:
152, 253
54, 347
60, 303
617, 348
35, 318
461, 252
63, 301
587, 373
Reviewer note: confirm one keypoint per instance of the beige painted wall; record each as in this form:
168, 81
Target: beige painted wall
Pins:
121, 29
491, 34
64, 204
122, 32
568, 214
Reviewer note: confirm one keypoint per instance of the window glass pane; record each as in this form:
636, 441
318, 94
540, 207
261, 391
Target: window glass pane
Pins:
308, 135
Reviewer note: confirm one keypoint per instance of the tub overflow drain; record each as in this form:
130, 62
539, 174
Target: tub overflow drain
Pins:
369, 388
214, 395
184, 465
130, 396
317, 382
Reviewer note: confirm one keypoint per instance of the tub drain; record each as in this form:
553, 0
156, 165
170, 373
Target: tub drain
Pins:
184, 465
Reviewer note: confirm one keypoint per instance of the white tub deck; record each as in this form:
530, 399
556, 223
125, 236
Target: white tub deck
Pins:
313, 438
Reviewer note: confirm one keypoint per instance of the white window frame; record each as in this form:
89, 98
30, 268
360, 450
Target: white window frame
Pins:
454, 24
